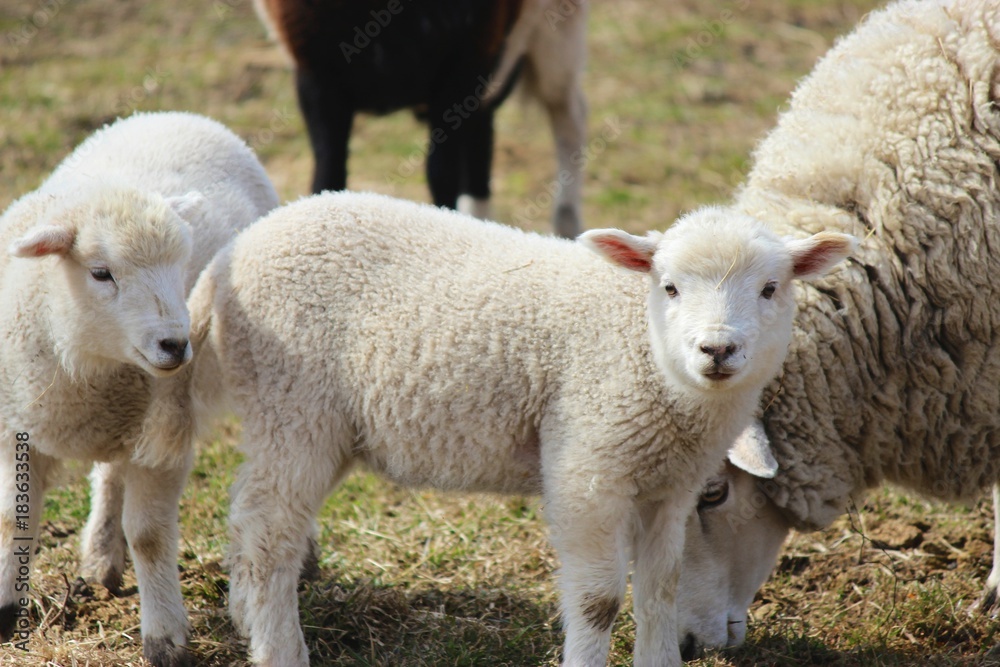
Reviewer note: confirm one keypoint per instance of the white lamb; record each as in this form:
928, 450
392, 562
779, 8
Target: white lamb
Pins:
444, 351
893, 370
93, 317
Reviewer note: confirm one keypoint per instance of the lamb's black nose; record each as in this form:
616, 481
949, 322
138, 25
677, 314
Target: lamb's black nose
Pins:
175, 347
719, 353
690, 650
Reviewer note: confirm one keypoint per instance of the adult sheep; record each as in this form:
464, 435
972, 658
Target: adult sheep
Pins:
456, 60
892, 371
448, 352
92, 305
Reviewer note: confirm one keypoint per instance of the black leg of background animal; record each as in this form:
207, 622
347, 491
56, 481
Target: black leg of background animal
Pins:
328, 119
447, 145
476, 165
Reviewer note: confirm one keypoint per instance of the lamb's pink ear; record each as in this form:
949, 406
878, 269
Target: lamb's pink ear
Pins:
815, 256
43, 240
187, 205
752, 452
621, 248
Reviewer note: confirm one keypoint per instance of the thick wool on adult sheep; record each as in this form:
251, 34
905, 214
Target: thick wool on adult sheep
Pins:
893, 369
93, 318
447, 352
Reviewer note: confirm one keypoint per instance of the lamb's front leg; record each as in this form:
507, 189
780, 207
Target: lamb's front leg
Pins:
592, 534
103, 537
24, 475
152, 498
659, 547
987, 603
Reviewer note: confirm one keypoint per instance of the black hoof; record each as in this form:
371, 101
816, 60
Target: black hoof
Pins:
8, 621
162, 652
987, 603
310, 564
112, 580
690, 648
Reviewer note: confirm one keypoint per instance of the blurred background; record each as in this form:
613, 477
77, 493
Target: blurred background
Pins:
691, 84
679, 92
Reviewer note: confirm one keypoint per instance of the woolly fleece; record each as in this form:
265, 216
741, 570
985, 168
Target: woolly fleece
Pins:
146, 202
448, 352
893, 368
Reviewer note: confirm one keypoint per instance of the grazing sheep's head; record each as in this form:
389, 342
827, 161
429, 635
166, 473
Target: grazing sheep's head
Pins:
720, 303
117, 291
731, 546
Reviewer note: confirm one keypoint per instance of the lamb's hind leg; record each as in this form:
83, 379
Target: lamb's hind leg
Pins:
151, 513
103, 541
987, 603
288, 472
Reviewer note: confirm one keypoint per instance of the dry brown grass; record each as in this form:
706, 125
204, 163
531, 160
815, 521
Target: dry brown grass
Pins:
419, 578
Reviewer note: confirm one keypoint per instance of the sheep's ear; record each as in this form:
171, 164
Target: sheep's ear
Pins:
815, 256
621, 248
43, 240
752, 452
187, 205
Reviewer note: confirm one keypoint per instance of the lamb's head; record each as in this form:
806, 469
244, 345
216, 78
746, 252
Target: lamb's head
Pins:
114, 292
720, 304
731, 546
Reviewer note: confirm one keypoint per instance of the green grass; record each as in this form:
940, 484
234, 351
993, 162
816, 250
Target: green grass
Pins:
420, 578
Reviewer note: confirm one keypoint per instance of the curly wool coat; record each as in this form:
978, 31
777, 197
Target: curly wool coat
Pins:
893, 369
114, 238
448, 352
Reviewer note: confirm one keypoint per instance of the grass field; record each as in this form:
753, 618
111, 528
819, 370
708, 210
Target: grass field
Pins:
420, 578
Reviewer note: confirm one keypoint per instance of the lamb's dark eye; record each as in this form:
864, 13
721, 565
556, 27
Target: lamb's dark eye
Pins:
101, 275
671, 289
713, 495
768, 290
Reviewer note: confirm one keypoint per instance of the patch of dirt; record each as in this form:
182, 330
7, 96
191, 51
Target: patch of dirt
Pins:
896, 534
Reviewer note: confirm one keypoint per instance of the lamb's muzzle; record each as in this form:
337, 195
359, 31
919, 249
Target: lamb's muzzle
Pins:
175, 353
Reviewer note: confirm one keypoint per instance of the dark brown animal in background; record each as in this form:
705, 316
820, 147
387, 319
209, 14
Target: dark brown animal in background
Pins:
453, 60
